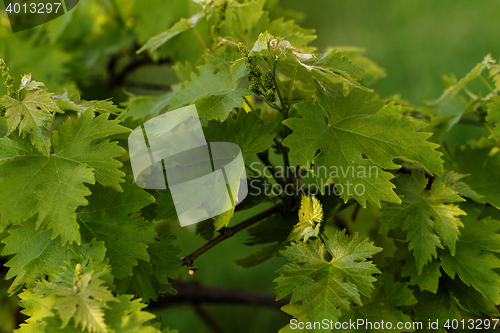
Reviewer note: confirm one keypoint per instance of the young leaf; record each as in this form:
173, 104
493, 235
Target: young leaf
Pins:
126, 316
428, 218
151, 278
481, 168
248, 130
384, 303
494, 114
148, 106
475, 259
33, 116
428, 279
310, 217
107, 219
346, 128
327, 285
184, 24
37, 185
79, 295
36, 254
214, 93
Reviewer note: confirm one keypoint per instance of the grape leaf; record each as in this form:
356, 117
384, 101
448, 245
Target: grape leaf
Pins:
482, 176
429, 221
147, 106
494, 114
310, 217
326, 285
333, 65
80, 295
126, 316
39, 185
33, 116
36, 253
275, 229
347, 128
259, 256
470, 299
251, 133
428, 279
107, 219
384, 305
214, 93
474, 74
184, 24
430, 306
151, 278
248, 20
73, 102
474, 259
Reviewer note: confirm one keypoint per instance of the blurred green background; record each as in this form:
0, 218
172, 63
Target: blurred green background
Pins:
415, 41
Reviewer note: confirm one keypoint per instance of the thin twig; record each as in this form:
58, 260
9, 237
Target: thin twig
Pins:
200, 39
225, 233
283, 105
487, 84
290, 90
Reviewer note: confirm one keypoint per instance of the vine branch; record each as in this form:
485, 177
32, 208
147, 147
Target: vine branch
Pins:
225, 233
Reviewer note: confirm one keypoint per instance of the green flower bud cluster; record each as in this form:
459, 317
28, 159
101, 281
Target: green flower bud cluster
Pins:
255, 75
9, 80
221, 18
270, 96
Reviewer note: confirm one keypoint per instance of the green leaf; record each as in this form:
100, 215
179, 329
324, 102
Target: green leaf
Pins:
494, 114
275, 229
151, 278
474, 74
33, 116
326, 278
165, 205
184, 24
431, 306
259, 256
357, 137
482, 175
36, 254
428, 279
454, 180
470, 299
79, 295
124, 315
73, 102
214, 92
127, 317
427, 217
39, 185
147, 106
384, 304
474, 259
333, 65
248, 130
310, 217
107, 218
